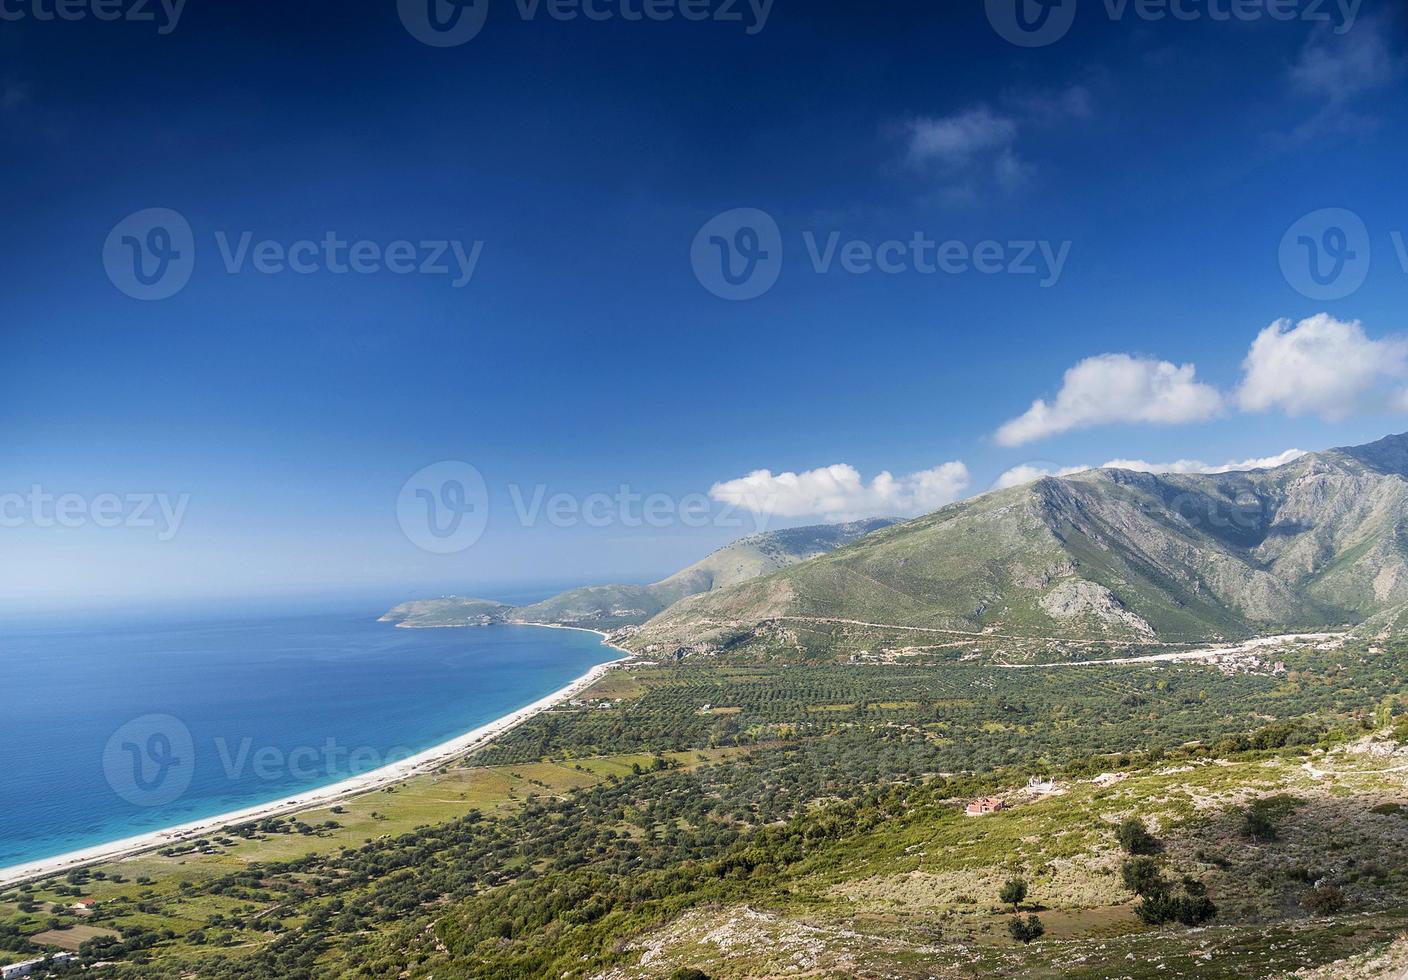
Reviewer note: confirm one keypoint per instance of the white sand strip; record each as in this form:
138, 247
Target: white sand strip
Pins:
315, 798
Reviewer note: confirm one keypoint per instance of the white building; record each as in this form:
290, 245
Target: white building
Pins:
24, 969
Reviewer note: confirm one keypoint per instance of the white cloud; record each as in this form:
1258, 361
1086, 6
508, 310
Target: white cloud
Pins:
1116, 388
838, 493
1337, 67
1335, 70
1031, 472
954, 142
976, 148
1198, 466
1321, 366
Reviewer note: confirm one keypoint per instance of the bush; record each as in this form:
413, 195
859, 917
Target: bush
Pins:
689, 973
1135, 838
1194, 910
1190, 910
1325, 899
1025, 931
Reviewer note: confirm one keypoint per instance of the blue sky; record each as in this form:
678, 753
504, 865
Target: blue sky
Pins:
281, 413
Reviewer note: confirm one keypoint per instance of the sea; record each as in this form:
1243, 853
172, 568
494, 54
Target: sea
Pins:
117, 725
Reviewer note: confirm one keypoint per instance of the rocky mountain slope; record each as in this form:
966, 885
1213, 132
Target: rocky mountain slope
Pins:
1319, 542
613, 606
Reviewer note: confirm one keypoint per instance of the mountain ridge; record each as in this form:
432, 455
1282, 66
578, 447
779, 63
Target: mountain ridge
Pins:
1127, 555
609, 607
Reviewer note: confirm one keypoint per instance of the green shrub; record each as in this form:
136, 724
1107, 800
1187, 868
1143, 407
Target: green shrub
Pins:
1190, 910
1325, 899
1025, 931
1135, 838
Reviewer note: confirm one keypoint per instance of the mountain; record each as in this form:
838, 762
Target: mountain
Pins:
1321, 541
613, 606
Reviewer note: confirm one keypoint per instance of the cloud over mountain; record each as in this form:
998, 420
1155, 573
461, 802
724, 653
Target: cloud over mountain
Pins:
1116, 388
1321, 366
839, 493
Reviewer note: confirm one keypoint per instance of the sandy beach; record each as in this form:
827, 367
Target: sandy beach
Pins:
315, 798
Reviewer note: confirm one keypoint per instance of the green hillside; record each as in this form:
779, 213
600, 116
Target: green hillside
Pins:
1319, 542
614, 606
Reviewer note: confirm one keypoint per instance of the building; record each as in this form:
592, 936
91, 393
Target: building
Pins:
27, 967
83, 904
988, 804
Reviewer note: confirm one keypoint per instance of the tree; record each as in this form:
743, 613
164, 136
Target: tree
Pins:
1383, 714
1135, 838
1013, 892
1256, 824
1025, 931
1258, 820
689, 973
1141, 876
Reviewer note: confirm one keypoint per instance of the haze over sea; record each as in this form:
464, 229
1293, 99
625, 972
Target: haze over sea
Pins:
274, 703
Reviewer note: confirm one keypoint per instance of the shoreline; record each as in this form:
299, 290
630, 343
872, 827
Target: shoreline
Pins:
415, 765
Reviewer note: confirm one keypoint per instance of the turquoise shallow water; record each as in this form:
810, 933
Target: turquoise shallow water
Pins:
111, 728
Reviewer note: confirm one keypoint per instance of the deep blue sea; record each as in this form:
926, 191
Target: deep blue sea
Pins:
111, 727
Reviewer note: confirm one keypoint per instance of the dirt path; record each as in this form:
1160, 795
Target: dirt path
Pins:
1074, 641
1211, 653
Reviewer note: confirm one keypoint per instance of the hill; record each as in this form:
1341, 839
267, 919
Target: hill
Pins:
1111, 554
614, 606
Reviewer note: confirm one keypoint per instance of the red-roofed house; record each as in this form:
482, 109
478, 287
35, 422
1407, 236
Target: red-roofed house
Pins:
988, 804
